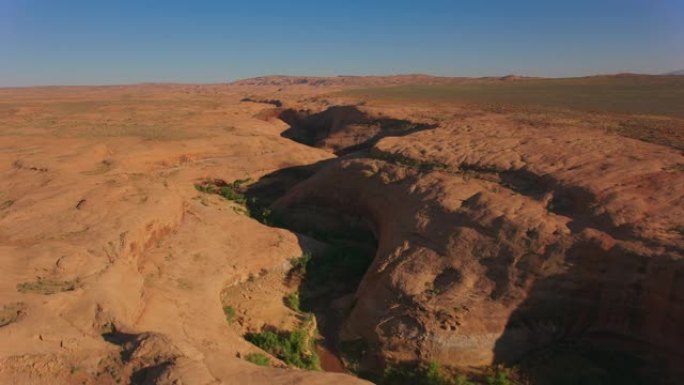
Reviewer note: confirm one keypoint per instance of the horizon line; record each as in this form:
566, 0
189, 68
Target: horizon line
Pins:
228, 82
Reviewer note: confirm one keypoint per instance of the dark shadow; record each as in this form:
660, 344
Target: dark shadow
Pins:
127, 341
119, 338
273, 102
613, 318
344, 129
272, 186
340, 244
149, 374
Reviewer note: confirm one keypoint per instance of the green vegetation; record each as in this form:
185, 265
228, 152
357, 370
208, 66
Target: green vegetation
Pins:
350, 252
261, 212
47, 286
647, 95
230, 313
292, 301
299, 263
235, 192
333, 271
498, 378
295, 348
205, 188
433, 374
229, 193
408, 162
352, 352
345, 263
410, 374
328, 275
258, 359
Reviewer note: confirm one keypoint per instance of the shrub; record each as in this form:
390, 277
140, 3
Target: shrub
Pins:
261, 212
236, 192
232, 191
292, 301
414, 375
434, 376
266, 340
230, 313
231, 194
203, 188
499, 378
258, 359
237, 183
417, 374
295, 348
299, 264
399, 374
47, 286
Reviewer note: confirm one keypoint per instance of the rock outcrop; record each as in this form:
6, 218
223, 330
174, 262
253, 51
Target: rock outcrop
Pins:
496, 238
498, 242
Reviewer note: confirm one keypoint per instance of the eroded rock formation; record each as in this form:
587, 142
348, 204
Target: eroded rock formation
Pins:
500, 238
497, 243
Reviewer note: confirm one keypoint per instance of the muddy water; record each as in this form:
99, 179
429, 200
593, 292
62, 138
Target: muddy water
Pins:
328, 325
329, 361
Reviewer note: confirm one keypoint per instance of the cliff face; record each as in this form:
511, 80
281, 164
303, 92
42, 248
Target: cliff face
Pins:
497, 242
344, 129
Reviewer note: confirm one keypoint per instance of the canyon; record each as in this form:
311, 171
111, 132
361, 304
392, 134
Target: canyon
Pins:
149, 233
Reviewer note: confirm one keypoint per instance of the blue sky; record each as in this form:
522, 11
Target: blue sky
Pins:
128, 41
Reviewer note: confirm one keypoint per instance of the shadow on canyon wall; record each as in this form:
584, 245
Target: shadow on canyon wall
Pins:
614, 317
344, 129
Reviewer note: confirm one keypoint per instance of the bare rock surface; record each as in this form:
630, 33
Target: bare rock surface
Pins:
112, 263
497, 238
496, 241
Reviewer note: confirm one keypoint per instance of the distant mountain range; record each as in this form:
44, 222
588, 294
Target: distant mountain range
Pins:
680, 72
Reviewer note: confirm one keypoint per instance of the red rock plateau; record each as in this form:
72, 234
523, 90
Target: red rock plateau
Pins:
468, 233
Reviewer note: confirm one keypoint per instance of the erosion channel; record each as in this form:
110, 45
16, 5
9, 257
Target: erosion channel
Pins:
461, 282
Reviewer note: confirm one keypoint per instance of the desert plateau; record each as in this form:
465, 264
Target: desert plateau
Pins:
344, 230
379, 192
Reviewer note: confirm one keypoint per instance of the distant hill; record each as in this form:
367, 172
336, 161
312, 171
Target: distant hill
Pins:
680, 72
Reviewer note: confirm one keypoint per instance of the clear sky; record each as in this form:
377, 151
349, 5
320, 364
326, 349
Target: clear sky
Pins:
128, 41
